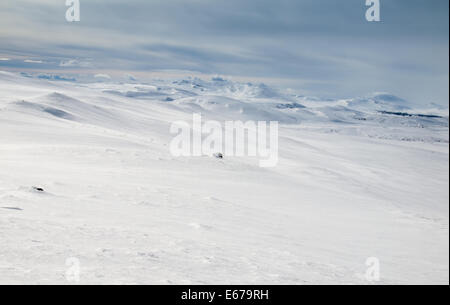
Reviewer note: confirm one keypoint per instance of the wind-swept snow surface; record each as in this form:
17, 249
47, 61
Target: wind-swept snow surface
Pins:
359, 178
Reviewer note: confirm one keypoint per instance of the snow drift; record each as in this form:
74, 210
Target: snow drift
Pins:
356, 179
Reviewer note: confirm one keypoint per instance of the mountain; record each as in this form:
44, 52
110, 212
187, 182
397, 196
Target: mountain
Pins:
86, 172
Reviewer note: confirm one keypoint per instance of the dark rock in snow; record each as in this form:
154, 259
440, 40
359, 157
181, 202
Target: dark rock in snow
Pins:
405, 114
12, 208
290, 106
218, 155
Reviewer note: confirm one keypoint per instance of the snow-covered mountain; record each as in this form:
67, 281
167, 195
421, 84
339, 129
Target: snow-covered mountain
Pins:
357, 178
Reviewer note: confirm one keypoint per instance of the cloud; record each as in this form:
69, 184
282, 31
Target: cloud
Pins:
30, 61
324, 47
102, 76
4, 59
75, 63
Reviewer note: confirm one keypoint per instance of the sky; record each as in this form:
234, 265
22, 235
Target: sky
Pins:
320, 47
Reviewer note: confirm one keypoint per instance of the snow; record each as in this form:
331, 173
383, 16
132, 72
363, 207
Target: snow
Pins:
351, 183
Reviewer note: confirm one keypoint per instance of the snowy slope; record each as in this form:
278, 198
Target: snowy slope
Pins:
359, 178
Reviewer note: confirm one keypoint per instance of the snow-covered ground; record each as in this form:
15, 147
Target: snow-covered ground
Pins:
359, 178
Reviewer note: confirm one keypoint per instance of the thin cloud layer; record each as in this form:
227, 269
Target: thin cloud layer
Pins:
324, 47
